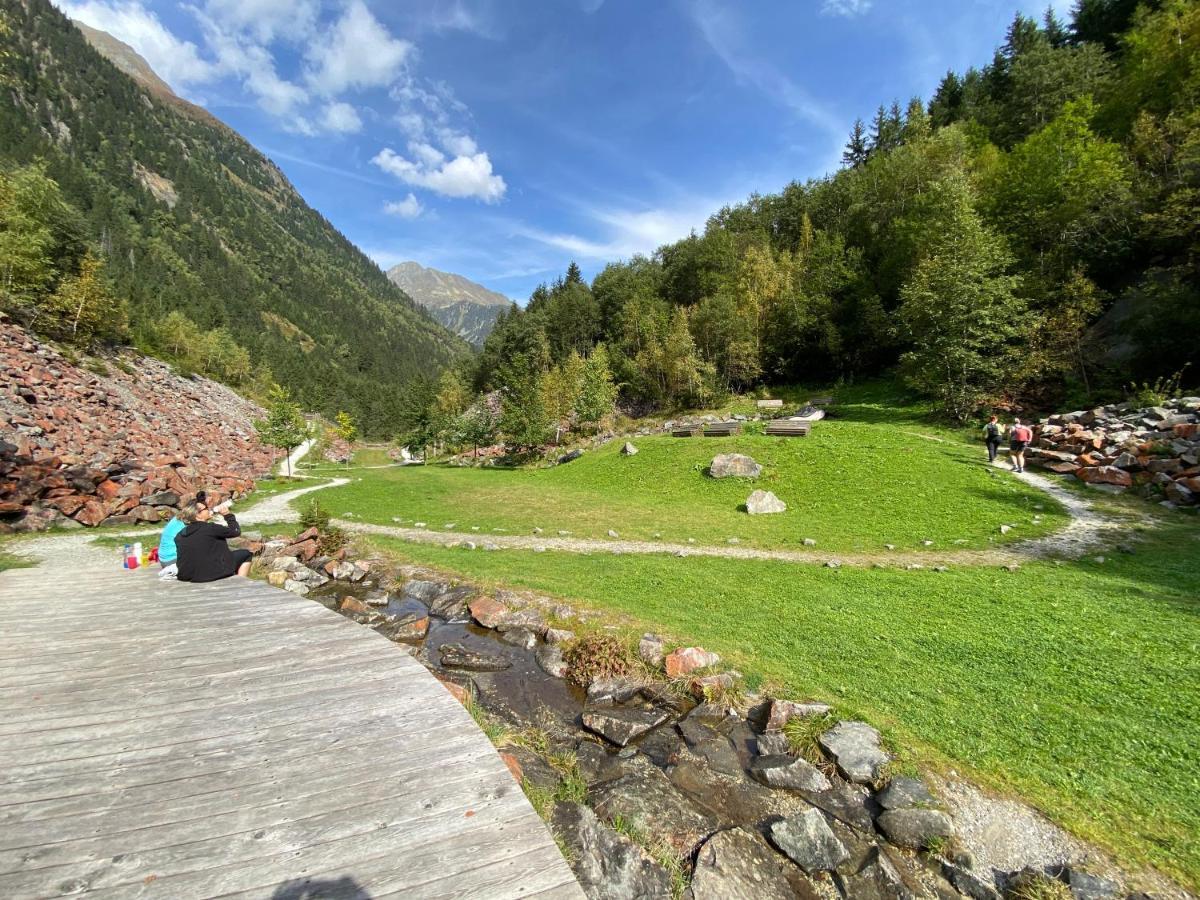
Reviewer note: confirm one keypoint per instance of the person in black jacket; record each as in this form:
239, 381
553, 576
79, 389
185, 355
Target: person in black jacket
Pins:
204, 554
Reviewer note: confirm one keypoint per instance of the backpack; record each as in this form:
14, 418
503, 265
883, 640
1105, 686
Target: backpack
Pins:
991, 431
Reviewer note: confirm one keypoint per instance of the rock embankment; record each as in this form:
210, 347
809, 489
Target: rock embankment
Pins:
123, 444
1154, 449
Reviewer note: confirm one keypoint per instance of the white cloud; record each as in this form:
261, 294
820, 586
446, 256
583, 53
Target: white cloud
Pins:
342, 118
846, 8
628, 232
408, 208
723, 32
177, 62
359, 53
266, 20
463, 176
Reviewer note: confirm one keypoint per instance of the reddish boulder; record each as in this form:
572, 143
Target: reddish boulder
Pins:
488, 611
686, 660
1104, 475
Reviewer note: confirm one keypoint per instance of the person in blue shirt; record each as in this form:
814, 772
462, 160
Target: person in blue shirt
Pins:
168, 554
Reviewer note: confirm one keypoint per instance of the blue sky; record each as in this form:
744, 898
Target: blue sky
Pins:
501, 140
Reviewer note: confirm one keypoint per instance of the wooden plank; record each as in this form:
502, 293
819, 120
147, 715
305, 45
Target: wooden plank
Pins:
169, 740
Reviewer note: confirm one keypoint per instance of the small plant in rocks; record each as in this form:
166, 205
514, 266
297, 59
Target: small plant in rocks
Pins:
331, 539
597, 656
1038, 886
802, 733
313, 515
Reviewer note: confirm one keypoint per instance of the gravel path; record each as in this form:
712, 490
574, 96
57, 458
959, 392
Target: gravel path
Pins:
278, 508
1087, 530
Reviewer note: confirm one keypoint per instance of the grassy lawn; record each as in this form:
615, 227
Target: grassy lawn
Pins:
869, 477
1073, 685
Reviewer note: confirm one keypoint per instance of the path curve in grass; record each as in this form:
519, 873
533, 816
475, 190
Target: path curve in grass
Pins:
278, 508
1088, 529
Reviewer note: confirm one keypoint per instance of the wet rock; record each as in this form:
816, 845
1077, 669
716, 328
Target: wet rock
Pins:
809, 842
450, 603
457, 656
488, 611
738, 865
623, 725
651, 650
608, 865
904, 793
617, 689
408, 628
550, 658
695, 732
520, 637
686, 660
914, 829
354, 605
596, 764
761, 503
789, 772
734, 465
643, 795
854, 746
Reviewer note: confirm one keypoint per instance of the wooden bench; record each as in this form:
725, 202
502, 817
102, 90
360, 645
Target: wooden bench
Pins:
820, 401
685, 431
785, 428
722, 429
770, 404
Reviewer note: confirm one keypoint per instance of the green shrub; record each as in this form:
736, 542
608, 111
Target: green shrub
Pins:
1154, 393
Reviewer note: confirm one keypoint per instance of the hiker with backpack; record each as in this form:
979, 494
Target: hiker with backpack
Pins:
993, 434
1019, 438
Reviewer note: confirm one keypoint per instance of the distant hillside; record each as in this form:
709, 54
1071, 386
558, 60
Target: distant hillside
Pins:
466, 308
189, 217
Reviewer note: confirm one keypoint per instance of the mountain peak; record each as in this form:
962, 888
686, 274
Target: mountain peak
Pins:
462, 305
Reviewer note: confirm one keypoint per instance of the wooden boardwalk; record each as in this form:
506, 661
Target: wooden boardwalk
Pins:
234, 740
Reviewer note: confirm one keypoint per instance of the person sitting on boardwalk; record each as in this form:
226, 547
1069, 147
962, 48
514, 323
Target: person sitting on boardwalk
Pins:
167, 552
1019, 438
204, 554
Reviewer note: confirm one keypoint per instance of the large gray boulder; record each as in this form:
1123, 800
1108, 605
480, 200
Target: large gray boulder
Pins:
734, 465
809, 841
854, 746
914, 829
762, 503
643, 795
608, 865
789, 772
738, 865
904, 793
623, 725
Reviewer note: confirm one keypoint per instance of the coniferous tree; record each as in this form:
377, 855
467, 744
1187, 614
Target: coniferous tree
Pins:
856, 150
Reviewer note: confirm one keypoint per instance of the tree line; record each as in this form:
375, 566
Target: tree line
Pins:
1029, 235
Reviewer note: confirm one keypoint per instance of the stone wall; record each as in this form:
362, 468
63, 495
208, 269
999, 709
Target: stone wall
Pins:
1155, 449
83, 448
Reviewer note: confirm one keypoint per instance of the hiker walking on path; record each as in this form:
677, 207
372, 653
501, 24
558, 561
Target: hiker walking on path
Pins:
993, 434
1019, 438
204, 554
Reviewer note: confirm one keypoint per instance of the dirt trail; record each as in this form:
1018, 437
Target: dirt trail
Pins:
1087, 530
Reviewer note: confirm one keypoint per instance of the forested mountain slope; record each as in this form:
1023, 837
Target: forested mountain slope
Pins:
1030, 235
465, 307
187, 218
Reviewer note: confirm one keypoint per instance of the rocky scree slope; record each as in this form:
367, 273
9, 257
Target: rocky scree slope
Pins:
83, 448
1155, 449
468, 309
189, 216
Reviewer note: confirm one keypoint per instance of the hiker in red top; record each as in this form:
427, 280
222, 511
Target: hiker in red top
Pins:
1019, 438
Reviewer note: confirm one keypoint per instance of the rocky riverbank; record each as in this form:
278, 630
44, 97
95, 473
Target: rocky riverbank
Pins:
660, 773
1154, 450
123, 441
